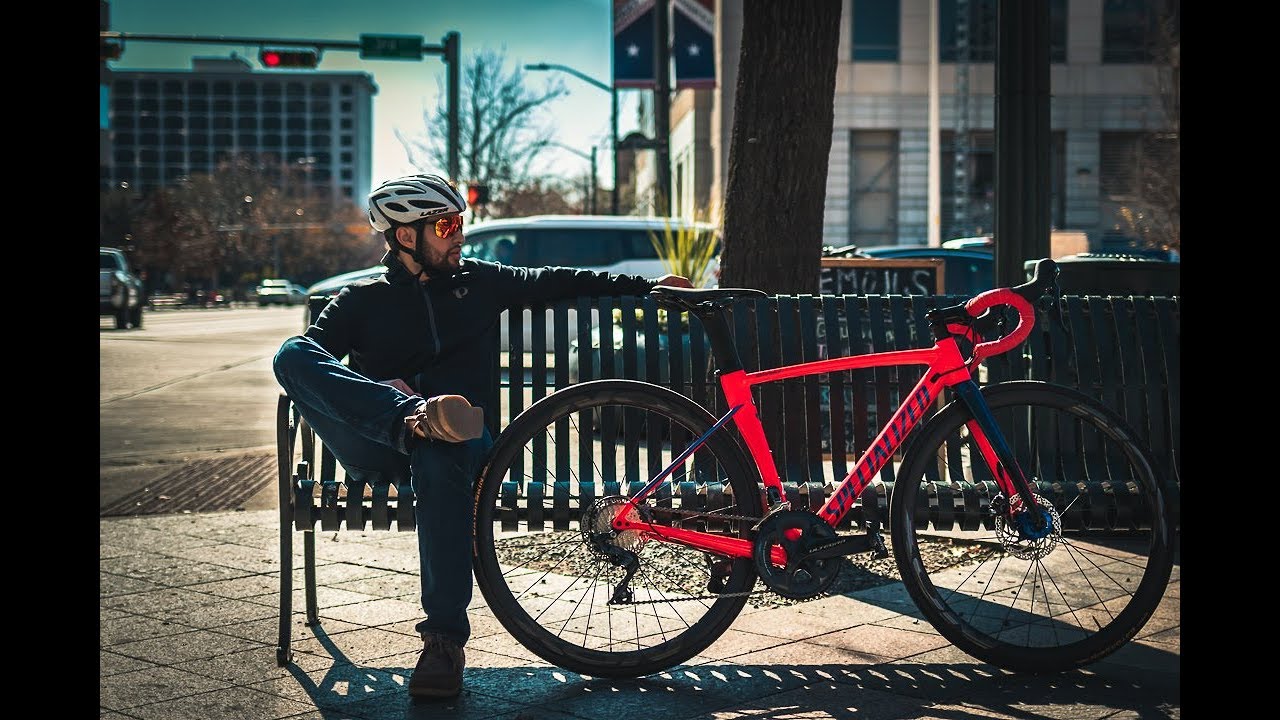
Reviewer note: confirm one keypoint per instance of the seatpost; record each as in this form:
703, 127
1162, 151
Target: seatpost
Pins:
716, 325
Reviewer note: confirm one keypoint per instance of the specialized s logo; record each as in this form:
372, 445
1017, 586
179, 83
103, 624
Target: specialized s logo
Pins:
879, 453
460, 292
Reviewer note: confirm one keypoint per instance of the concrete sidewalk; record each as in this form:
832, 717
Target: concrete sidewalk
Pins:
188, 626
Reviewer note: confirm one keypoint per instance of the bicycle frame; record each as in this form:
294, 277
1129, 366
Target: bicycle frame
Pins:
947, 367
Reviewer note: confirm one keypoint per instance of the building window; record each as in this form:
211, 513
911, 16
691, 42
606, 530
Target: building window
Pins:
982, 29
1134, 169
979, 212
876, 30
873, 187
1138, 31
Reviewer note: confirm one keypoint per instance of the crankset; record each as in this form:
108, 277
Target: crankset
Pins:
809, 569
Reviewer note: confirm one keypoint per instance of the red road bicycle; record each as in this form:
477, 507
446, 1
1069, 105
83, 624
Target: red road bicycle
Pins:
631, 584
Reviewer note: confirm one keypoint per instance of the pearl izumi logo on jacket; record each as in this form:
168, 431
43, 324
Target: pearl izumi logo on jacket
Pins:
460, 292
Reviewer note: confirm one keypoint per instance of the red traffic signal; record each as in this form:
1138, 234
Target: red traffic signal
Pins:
289, 58
477, 194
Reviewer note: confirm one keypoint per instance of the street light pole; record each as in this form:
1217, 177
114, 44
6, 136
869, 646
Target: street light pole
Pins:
613, 117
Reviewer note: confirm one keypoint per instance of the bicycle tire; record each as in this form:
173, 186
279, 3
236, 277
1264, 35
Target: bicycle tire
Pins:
1095, 580
526, 572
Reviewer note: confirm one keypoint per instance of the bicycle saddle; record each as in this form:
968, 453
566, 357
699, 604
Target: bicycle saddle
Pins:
691, 298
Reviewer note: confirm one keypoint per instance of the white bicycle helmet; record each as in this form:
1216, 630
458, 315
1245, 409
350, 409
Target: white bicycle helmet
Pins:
405, 199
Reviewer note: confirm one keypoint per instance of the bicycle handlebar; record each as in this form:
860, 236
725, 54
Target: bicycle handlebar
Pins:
1043, 279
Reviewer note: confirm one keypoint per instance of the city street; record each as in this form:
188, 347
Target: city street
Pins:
190, 387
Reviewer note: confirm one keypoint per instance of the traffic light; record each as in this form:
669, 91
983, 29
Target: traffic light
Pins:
288, 58
477, 194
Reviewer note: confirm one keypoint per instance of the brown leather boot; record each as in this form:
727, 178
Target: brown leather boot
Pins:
447, 417
439, 670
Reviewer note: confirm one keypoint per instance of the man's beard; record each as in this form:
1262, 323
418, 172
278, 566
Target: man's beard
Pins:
439, 265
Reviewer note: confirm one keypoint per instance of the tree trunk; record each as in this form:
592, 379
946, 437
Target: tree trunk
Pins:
780, 145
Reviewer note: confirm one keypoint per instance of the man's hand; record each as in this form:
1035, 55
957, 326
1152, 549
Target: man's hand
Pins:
673, 281
400, 385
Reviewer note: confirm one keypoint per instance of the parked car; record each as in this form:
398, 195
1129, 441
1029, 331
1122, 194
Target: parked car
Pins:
277, 291
966, 271
330, 287
119, 289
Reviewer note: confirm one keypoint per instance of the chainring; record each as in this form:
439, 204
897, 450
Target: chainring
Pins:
801, 579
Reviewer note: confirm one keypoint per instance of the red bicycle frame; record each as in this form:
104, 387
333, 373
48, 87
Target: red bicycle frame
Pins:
947, 367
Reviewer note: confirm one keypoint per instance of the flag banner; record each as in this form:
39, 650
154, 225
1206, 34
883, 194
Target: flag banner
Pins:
633, 44
693, 44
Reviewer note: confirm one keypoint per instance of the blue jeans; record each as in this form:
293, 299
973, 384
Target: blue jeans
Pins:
362, 423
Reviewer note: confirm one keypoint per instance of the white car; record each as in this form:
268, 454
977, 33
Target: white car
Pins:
621, 244
277, 291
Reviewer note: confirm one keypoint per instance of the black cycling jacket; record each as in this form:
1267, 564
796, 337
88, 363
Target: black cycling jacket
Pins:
431, 334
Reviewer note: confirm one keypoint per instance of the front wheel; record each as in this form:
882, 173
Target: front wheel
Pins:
1041, 592
554, 572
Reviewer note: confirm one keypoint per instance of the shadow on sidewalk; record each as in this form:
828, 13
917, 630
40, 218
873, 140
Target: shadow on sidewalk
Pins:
1126, 683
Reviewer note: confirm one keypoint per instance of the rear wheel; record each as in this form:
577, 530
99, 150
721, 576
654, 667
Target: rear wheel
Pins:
1035, 598
549, 564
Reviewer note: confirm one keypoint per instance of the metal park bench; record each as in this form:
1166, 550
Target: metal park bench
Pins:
1122, 350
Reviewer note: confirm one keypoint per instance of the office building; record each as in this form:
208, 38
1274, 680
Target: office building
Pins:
169, 124
1106, 101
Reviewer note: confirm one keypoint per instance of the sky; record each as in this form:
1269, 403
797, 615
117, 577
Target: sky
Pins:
574, 33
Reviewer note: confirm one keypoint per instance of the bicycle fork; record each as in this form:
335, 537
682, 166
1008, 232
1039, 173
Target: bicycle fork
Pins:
999, 458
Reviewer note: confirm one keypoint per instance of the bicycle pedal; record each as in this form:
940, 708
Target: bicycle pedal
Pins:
878, 550
719, 573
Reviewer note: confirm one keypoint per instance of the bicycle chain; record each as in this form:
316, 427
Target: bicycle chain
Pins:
717, 516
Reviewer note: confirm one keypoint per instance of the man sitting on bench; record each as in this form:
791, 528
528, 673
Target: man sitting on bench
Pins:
416, 336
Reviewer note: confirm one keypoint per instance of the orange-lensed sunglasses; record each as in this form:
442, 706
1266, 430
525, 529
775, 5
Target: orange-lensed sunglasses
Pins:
446, 227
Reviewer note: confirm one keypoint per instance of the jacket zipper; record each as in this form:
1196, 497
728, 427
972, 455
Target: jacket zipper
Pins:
431, 316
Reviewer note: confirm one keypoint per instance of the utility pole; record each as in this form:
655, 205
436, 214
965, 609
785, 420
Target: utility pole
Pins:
662, 102
1022, 138
452, 41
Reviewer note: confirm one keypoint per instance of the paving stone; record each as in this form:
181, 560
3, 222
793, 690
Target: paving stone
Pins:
234, 702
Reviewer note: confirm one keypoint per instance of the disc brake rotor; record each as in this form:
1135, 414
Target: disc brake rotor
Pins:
1019, 535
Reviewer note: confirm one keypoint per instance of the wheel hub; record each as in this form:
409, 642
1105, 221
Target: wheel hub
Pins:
1024, 537
597, 527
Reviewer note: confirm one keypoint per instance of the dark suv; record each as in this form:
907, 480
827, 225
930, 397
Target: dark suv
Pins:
119, 289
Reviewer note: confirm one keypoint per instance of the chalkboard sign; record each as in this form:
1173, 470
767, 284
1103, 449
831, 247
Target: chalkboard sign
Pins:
887, 276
